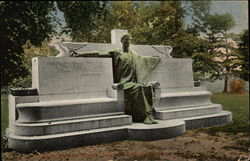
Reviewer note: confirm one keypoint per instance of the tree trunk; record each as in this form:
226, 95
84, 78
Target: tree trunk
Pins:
227, 70
226, 84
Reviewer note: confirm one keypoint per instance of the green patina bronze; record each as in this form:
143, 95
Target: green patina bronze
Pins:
132, 71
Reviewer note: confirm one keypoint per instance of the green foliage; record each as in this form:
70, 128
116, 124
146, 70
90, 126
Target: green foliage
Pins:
31, 51
83, 18
199, 11
122, 14
219, 23
234, 36
4, 113
216, 27
186, 45
155, 24
20, 22
244, 55
190, 46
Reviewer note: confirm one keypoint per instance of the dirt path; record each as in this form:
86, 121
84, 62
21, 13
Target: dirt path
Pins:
190, 147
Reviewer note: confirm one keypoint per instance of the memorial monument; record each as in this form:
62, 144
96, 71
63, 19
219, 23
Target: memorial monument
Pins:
75, 101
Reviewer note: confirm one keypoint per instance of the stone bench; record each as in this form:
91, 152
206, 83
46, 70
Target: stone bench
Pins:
177, 97
71, 95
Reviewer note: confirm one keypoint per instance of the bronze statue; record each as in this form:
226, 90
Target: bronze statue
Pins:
132, 70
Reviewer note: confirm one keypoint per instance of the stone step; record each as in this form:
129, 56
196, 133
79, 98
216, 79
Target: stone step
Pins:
187, 112
136, 131
196, 122
56, 127
139, 131
173, 100
63, 110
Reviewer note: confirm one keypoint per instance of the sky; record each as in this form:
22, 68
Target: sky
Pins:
238, 9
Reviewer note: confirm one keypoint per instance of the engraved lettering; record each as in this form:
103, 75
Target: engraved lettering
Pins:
87, 67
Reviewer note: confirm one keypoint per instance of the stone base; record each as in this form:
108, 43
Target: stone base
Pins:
208, 120
137, 131
188, 112
65, 126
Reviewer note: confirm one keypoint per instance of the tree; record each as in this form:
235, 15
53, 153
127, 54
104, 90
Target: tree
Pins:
83, 18
217, 27
190, 46
123, 14
244, 55
158, 22
120, 15
20, 22
101, 18
199, 11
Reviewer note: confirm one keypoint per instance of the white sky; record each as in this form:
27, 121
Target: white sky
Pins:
238, 9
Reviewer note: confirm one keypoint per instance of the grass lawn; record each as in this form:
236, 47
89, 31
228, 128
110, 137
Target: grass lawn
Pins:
238, 104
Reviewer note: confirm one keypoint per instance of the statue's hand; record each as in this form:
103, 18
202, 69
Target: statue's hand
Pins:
73, 54
155, 84
63, 50
117, 86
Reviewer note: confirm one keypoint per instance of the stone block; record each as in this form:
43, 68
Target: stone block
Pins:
173, 73
49, 128
67, 109
208, 120
183, 99
57, 76
188, 112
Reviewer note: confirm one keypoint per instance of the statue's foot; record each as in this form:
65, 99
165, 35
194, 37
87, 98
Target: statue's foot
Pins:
153, 121
149, 120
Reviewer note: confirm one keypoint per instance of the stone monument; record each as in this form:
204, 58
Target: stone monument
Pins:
72, 102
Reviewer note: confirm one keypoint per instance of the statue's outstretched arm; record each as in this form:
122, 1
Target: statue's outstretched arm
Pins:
90, 54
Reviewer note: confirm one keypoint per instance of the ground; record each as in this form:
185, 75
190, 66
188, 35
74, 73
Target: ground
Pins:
194, 145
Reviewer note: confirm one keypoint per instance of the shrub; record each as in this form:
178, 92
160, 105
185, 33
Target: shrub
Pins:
236, 86
21, 82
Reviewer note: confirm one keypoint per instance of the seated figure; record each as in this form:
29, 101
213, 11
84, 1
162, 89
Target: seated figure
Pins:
131, 71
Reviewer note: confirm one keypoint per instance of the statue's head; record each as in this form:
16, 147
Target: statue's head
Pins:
125, 41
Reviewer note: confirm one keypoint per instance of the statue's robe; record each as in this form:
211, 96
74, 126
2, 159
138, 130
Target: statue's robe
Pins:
132, 71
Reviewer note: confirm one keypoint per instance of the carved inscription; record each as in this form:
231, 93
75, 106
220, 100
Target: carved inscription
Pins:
88, 67
171, 67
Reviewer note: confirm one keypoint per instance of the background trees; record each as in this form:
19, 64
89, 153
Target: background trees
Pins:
217, 27
157, 23
25, 25
83, 19
20, 22
221, 55
244, 55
